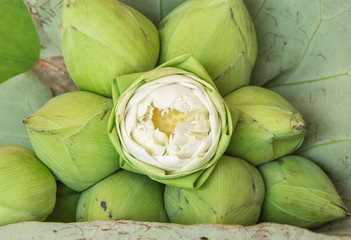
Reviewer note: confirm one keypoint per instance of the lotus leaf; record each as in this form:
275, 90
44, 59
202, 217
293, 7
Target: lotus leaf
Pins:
304, 56
155, 10
47, 18
19, 43
143, 230
20, 97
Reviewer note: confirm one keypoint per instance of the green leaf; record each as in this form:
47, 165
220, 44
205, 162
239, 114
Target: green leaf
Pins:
155, 10
20, 97
19, 43
305, 56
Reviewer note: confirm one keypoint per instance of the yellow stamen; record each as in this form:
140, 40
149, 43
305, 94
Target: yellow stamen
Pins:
168, 121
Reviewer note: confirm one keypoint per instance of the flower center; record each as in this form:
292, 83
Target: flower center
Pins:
166, 121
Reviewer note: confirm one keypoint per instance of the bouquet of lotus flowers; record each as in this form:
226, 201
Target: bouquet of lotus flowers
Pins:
166, 127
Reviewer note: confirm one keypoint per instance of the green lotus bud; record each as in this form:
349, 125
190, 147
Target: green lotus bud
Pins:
103, 39
123, 195
219, 33
69, 136
233, 194
299, 193
27, 187
170, 123
66, 205
269, 127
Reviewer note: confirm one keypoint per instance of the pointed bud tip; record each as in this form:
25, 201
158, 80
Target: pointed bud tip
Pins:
299, 127
25, 121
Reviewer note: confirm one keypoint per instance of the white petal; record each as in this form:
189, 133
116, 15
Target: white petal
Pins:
194, 141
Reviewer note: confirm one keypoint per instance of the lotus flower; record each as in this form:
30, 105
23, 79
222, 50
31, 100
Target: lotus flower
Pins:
170, 123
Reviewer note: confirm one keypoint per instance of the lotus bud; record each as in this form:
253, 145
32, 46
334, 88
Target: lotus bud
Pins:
170, 123
69, 135
103, 39
123, 195
233, 194
66, 205
219, 33
299, 193
27, 187
269, 127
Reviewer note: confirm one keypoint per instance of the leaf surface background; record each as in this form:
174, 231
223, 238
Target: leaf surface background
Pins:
155, 10
20, 97
305, 56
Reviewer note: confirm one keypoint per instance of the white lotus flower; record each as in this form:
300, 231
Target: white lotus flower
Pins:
170, 123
